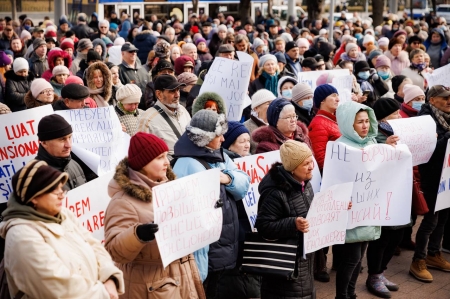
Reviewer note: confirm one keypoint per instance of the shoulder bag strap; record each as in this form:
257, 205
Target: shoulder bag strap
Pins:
166, 117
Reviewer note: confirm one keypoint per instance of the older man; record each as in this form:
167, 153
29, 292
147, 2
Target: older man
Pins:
431, 229
38, 59
190, 50
103, 31
73, 96
167, 119
226, 51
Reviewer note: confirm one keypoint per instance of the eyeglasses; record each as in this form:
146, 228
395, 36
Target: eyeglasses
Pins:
47, 92
60, 194
292, 117
416, 43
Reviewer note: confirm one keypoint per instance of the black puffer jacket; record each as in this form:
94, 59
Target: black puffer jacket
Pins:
16, 88
281, 204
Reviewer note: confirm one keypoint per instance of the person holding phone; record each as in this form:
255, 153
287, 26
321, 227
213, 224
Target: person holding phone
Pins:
371, 83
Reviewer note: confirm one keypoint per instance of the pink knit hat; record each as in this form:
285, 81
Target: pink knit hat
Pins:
382, 60
411, 92
384, 41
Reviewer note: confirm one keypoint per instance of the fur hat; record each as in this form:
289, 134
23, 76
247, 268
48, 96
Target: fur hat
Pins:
129, 94
293, 153
144, 147
235, 129
383, 42
262, 96
206, 125
209, 96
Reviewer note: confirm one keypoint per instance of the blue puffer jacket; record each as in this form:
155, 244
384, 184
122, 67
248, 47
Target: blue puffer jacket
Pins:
222, 254
144, 41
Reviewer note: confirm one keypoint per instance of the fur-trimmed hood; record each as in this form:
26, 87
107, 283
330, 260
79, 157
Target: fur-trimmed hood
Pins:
209, 96
107, 80
133, 188
31, 101
54, 54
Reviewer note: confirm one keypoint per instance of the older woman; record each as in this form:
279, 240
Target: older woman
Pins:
128, 98
399, 57
283, 125
286, 197
18, 82
17, 47
41, 93
130, 231
60, 75
65, 260
99, 82
353, 53
260, 103
202, 50
269, 74
417, 69
302, 96
413, 99
237, 140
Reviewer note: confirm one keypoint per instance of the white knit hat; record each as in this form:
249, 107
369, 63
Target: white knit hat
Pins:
266, 58
303, 42
20, 64
384, 41
119, 41
257, 42
222, 27
368, 38
60, 69
262, 96
301, 91
39, 85
411, 91
129, 94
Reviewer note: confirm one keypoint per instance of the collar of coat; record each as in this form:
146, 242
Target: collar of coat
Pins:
130, 187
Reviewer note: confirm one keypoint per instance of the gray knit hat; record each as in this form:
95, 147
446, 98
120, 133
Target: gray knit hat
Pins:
301, 91
205, 126
84, 43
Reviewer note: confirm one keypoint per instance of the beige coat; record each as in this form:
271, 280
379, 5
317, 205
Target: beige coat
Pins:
152, 122
144, 275
50, 260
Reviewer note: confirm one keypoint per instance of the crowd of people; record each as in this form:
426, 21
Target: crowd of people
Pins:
151, 72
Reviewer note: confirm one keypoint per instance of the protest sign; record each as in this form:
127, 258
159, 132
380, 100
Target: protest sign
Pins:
439, 76
184, 210
419, 134
443, 197
383, 181
310, 78
344, 87
230, 79
257, 166
327, 217
99, 131
18, 143
89, 202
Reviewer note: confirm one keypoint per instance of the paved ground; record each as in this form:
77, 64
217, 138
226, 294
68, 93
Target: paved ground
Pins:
398, 268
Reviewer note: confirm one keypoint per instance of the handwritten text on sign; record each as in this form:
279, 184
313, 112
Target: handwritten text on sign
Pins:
184, 210
230, 79
310, 78
18, 143
419, 134
380, 195
327, 217
89, 202
443, 197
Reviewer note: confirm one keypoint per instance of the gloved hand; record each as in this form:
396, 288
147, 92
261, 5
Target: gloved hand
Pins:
146, 232
374, 74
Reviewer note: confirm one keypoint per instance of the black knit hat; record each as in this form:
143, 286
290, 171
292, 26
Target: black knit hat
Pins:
385, 107
396, 81
361, 66
93, 56
289, 46
53, 126
74, 91
34, 179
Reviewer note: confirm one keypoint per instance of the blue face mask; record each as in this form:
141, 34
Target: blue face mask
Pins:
27, 27
383, 75
287, 93
417, 105
364, 75
308, 104
358, 35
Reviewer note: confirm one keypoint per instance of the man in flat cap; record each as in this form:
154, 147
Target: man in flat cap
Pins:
72, 97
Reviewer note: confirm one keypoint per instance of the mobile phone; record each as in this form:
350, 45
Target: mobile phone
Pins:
366, 93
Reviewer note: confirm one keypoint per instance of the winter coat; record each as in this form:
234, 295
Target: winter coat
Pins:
75, 67
222, 254
37, 67
131, 121
252, 124
99, 41
204, 56
51, 58
144, 41
149, 95
435, 61
32, 102
259, 83
376, 87
16, 88
107, 80
152, 122
345, 116
416, 76
270, 138
284, 200
398, 63
131, 204
76, 175
64, 260
407, 111
323, 128
82, 31
126, 25
359, 57
430, 172
291, 66
136, 75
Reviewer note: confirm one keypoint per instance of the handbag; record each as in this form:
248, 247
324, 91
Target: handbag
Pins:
419, 204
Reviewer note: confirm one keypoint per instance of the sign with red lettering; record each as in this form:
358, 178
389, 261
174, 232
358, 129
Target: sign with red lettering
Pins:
327, 217
186, 214
443, 197
89, 202
382, 176
18, 143
419, 134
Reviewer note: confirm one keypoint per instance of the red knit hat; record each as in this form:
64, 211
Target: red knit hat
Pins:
67, 43
144, 148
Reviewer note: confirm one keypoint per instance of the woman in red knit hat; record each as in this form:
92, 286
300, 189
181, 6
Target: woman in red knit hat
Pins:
130, 231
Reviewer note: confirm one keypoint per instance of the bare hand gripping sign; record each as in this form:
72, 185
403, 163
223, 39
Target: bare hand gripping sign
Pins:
186, 214
382, 176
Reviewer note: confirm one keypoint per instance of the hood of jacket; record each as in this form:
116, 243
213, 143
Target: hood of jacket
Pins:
126, 26
444, 44
186, 148
107, 80
54, 54
282, 80
32, 102
345, 116
10, 75
99, 41
132, 188
208, 96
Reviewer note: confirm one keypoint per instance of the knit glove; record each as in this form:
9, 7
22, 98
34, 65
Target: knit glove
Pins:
146, 232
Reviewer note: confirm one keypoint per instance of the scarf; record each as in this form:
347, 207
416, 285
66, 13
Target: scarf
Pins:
271, 82
97, 96
18, 210
120, 106
418, 66
386, 127
442, 117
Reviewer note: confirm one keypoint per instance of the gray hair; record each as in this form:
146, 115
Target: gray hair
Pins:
103, 22
170, 29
